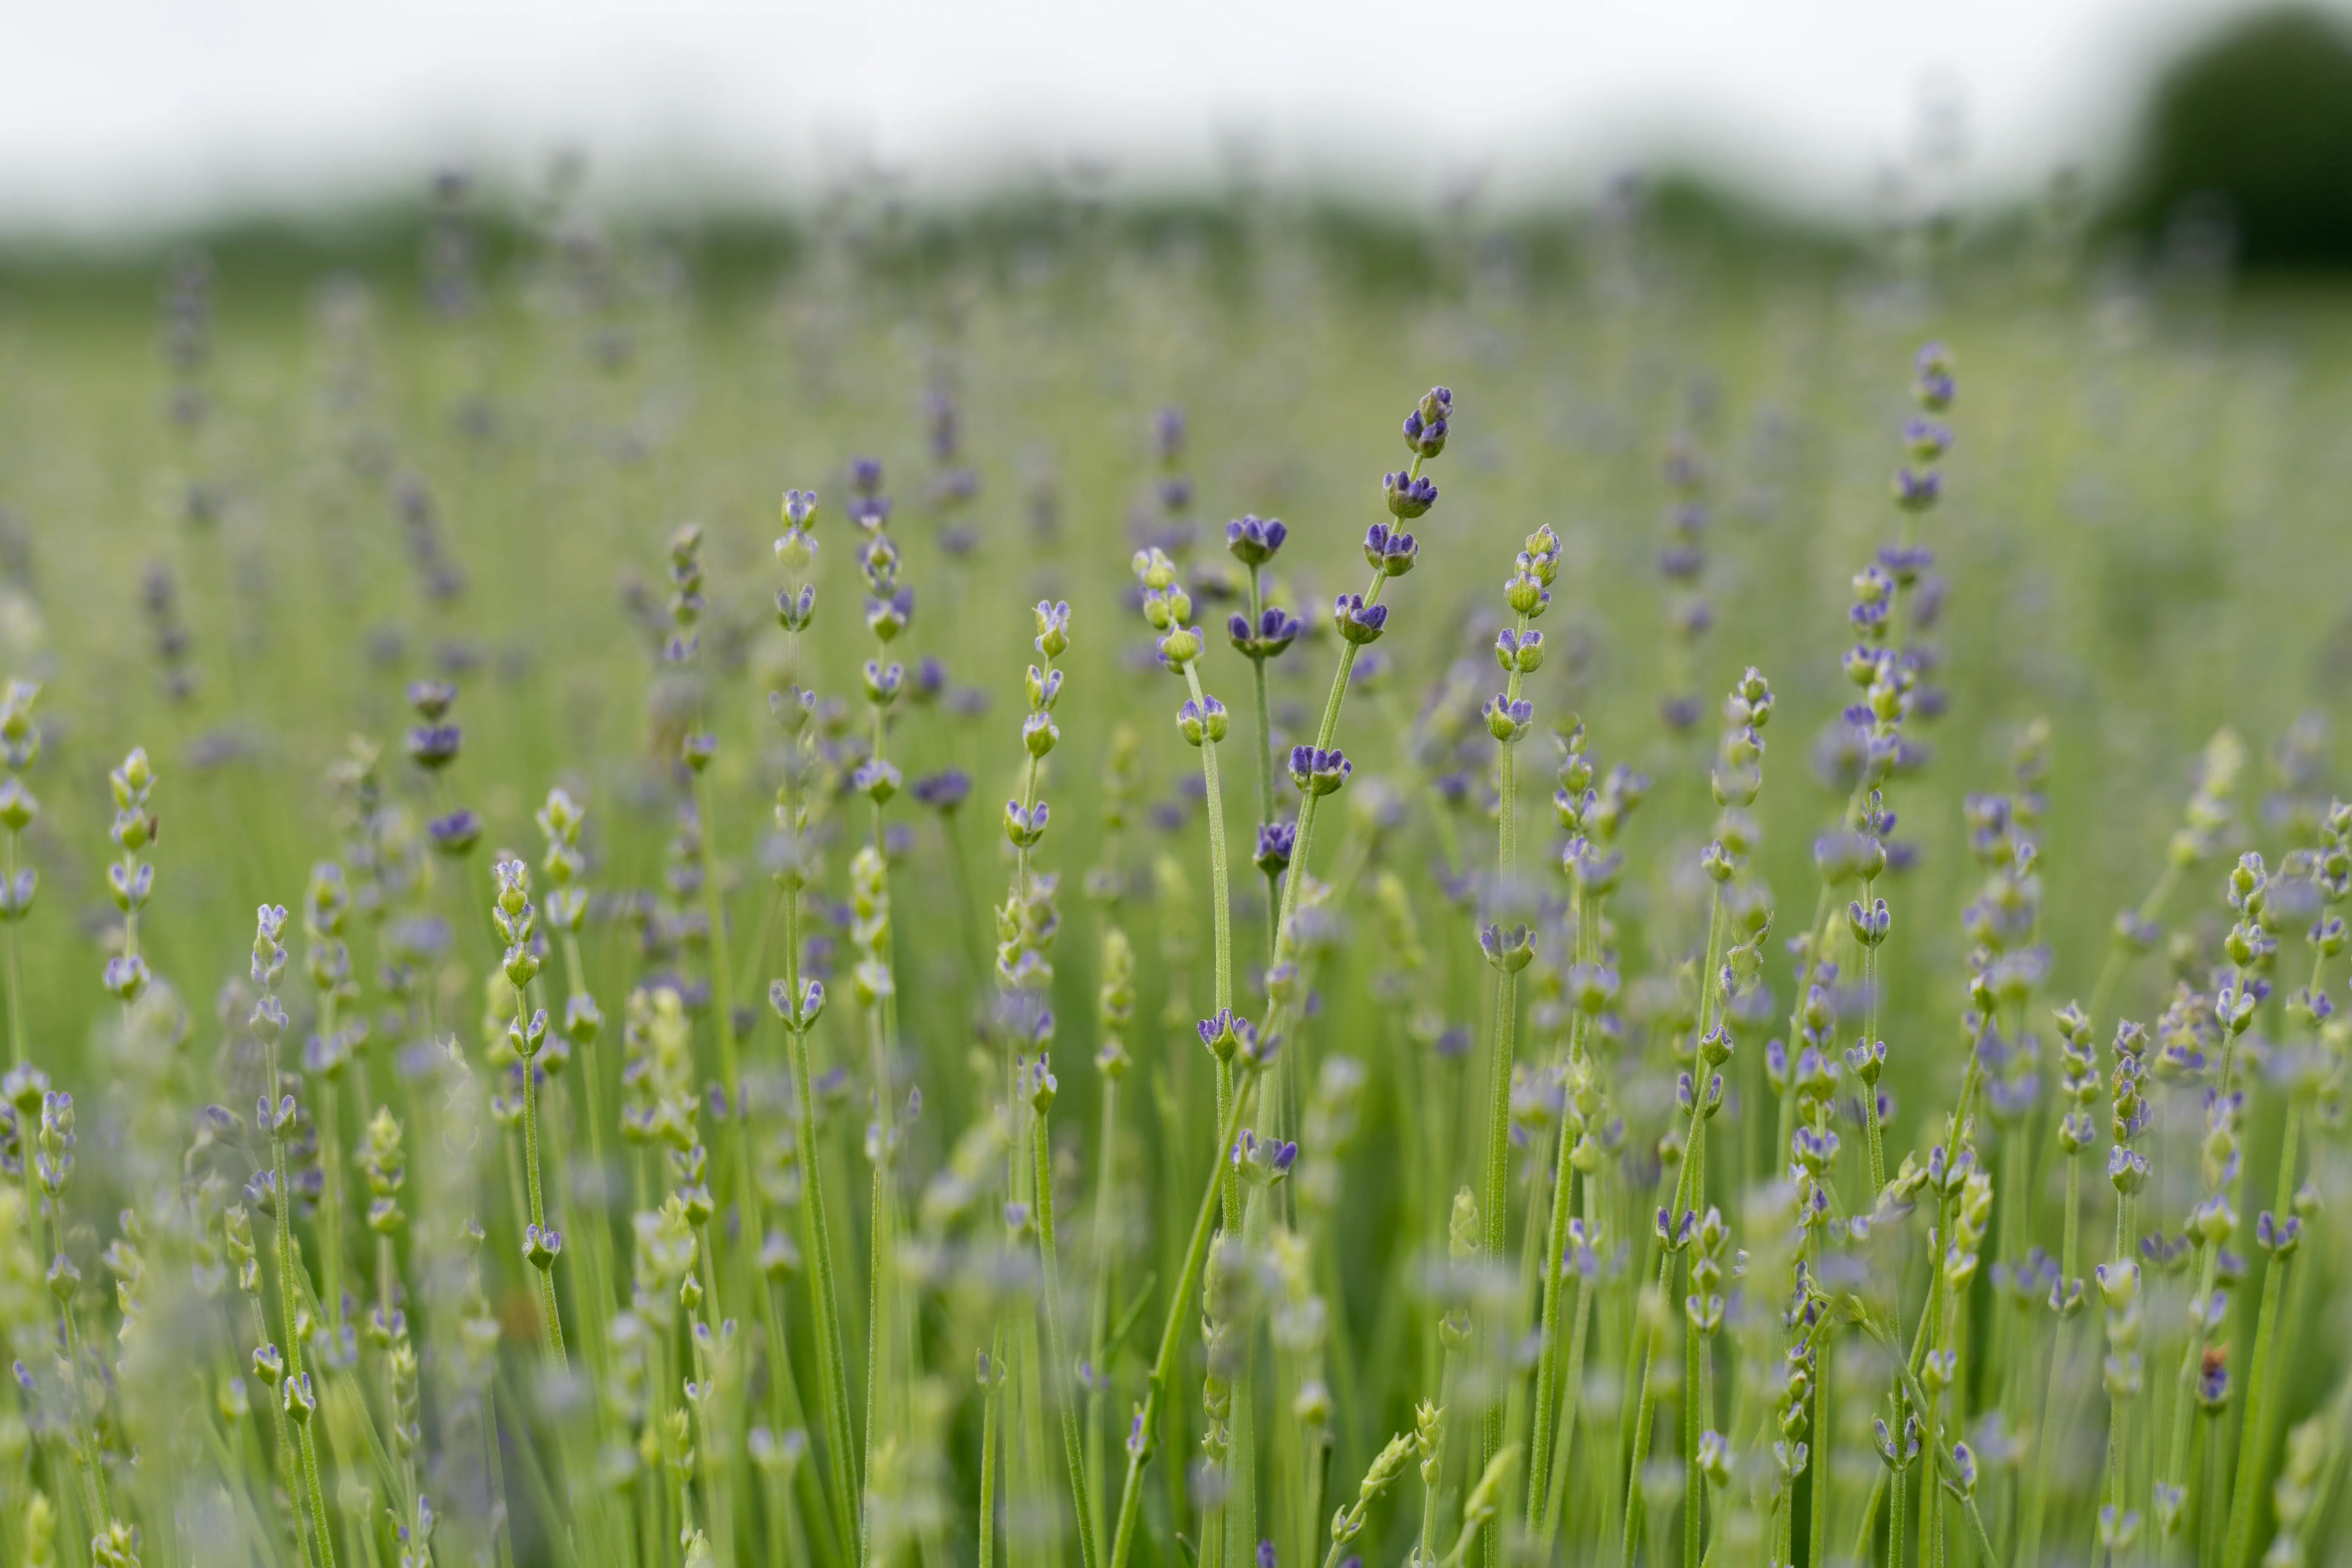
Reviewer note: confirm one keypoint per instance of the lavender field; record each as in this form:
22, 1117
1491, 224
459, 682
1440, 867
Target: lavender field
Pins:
1196, 890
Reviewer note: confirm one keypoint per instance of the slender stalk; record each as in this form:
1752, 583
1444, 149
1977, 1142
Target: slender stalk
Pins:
1571, 1396
1555, 1247
816, 1241
1696, 1412
991, 1412
1498, 1196
2254, 1442
1072, 1436
1180, 1312
288, 1259
1896, 1515
2119, 1410
9, 921
1220, 916
1695, 1415
1097, 1401
2037, 1479
546, 1271
1646, 1407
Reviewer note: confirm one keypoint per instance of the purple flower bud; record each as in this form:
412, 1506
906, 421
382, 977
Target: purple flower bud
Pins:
1917, 489
1276, 841
1204, 720
431, 698
1216, 1032
1317, 772
1276, 630
1934, 387
888, 616
1927, 439
1394, 550
943, 791
1506, 720
1053, 627
456, 833
1025, 826
434, 746
1255, 540
1425, 437
1408, 498
876, 778
1357, 622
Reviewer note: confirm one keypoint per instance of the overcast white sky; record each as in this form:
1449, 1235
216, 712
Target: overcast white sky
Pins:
139, 113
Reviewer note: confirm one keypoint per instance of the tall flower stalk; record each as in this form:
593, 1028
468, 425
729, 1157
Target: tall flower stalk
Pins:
1519, 650
279, 1114
799, 1002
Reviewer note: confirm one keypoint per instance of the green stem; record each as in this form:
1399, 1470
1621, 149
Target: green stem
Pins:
596, 1237
1497, 1197
1895, 1512
1220, 913
2037, 1477
817, 1240
1645, 1409
287, 1261
992, 1405
2119, 1410
1695, 1416
1072, 1436
1555, 1246
2253, 1444
1179, 1313
1098, 1400
546, 1272
16, 971
816, 1231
